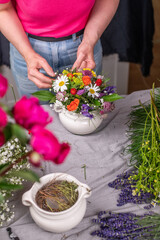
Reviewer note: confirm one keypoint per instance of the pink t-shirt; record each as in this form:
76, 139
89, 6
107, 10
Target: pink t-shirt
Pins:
54, 18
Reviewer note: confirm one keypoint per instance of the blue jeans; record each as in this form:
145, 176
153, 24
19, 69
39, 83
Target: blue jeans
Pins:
59, 55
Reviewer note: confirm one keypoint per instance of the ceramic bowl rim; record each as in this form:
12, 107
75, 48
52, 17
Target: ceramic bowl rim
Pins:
64, 211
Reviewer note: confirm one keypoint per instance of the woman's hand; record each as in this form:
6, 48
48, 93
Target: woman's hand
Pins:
85, 56
34, 63
100, 17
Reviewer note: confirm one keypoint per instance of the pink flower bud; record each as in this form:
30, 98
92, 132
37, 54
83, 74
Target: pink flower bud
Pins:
2, 139
65, 149
3, 86
3, 118
35, 159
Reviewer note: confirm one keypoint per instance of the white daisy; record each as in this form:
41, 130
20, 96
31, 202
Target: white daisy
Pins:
58, 106
60, 83
93, 91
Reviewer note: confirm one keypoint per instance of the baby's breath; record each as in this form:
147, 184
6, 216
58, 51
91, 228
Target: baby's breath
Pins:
10, 152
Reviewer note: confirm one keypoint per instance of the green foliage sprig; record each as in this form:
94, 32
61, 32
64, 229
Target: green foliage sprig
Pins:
145, 145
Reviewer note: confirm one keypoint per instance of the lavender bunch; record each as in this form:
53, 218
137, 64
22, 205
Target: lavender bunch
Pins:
129, 192
127, 226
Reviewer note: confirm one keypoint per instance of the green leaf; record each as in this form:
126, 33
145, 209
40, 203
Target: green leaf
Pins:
1, 198
43, 95
106, 80
7, 132
3, 167
96, 102
111, 98
53, 99
8, 186
19, 132
26, 174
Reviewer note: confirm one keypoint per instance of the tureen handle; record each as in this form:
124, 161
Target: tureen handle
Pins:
26, 199
86, 190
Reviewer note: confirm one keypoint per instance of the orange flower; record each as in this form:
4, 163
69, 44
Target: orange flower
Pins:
73, 105
70, 75
86, 80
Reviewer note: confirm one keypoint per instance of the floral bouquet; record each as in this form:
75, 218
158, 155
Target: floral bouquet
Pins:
81, 92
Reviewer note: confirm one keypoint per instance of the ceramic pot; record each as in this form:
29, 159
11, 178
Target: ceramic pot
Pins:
57, 222
79, 124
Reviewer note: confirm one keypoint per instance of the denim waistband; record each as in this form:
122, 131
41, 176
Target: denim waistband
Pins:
52, 39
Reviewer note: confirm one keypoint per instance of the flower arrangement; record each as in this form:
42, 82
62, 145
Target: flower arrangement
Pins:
81, 92
25, 123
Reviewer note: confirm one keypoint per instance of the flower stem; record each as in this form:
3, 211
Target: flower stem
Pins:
13, 92
14, 163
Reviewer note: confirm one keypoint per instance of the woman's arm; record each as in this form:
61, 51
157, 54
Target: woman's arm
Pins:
12, 29
101, 15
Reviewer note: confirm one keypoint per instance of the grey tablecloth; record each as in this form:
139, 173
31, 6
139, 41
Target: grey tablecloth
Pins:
102, 153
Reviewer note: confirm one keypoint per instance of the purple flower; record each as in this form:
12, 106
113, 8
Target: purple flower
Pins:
85, 111
110, 89
87, 114
85, 107
107, 91
80, 92
87, 73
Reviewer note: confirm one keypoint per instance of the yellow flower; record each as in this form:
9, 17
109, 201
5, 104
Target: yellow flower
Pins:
133, 193
65, 72
77, 81
78, 74
93, 73
87, 69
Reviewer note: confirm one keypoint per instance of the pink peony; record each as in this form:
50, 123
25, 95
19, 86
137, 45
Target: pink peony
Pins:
65, 149
2, 139
46, 144
3, 86
3, 118
28, 113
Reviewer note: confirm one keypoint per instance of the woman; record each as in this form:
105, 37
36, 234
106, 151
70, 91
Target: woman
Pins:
49, 36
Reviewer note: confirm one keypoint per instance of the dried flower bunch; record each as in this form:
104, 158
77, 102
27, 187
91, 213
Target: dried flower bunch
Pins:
81, 92
57, 195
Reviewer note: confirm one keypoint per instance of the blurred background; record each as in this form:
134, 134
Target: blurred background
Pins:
131, 48
136, 81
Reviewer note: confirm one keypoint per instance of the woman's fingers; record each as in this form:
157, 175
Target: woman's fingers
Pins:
34, 73
40, 84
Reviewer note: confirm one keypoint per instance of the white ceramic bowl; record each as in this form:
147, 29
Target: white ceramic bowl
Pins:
78, 124
59, 221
